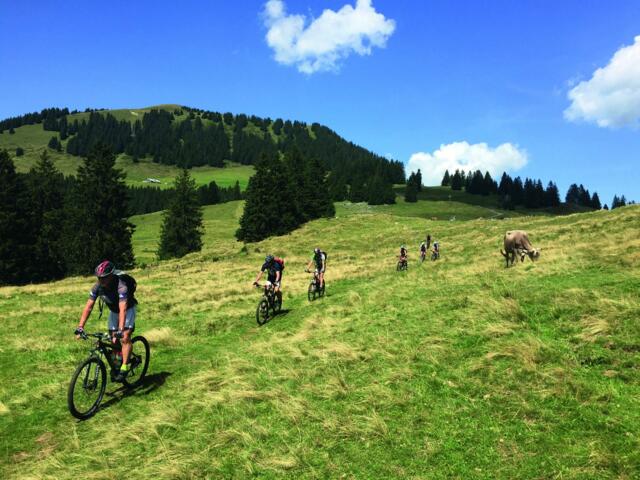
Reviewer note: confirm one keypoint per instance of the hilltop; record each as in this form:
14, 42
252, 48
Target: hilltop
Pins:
457, 369
157, 141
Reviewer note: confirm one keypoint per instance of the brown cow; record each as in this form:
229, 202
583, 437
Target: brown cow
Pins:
517, 242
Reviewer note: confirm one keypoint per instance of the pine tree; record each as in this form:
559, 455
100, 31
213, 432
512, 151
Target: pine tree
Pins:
15, 229
552, 195
411, 193
47, 216
446, 180
573, 195
418, 180
182, 227
53, 143
320, 204
268, 209
97, 227
457, 180
595, 201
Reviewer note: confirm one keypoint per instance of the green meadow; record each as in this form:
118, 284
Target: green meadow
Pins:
458, 368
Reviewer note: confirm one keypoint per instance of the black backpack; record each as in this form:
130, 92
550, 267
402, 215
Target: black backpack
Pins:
131, 284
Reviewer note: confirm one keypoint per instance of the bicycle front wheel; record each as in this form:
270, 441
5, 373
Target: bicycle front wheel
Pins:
87, 388
311, 292
262, 312
138, 361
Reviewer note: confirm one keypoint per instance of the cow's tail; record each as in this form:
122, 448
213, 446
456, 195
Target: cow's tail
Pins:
504, 254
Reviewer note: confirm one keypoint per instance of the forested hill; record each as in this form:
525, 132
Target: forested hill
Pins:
190, 137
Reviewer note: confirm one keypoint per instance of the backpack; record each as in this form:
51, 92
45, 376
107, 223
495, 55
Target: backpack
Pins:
326, 257
280, 261
131, 284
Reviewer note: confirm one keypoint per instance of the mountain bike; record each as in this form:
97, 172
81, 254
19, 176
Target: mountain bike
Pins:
423, 255
402, 265
435, 255
89, 380
315, 289
269, 301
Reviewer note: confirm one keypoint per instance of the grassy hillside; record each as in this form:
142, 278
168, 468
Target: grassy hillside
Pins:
454, 369
33, 139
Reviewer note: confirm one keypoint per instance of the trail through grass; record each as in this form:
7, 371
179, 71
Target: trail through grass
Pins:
458, 368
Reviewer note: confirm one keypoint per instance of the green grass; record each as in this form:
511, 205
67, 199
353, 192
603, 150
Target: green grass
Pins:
455, 369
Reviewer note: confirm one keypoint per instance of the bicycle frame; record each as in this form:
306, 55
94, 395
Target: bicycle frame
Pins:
101, 347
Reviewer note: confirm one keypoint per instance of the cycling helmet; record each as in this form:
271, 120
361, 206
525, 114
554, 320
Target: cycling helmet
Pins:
105, 269
316, 250
268, 259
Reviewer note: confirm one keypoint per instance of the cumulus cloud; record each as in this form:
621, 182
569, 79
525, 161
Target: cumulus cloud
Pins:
321, 44
611, 97
464, 156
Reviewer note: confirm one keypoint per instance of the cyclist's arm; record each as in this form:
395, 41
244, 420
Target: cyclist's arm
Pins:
86, 312
259, 276
278, 275
309, 264
122, 314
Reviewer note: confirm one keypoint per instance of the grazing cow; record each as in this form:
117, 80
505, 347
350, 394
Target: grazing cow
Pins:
517, 242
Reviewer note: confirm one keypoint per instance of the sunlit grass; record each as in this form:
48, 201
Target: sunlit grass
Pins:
458, 368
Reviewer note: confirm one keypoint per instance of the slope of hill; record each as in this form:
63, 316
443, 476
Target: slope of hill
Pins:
174, 137
456, 369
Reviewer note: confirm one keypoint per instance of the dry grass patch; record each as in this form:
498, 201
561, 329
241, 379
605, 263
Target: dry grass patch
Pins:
162, 336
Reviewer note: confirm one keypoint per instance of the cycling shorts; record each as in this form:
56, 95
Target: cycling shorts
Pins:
129, 320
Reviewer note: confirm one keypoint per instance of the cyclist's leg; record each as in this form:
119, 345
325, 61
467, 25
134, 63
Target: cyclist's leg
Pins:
129, 327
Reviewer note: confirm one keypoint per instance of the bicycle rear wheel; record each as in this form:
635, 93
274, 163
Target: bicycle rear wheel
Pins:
262, 312
87, 387
138, 362
322, 290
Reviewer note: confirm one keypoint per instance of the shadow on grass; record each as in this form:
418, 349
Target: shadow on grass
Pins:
150, 384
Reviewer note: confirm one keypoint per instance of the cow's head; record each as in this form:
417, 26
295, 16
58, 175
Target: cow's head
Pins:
534, 254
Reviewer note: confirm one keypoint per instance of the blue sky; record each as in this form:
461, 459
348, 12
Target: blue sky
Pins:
467, 76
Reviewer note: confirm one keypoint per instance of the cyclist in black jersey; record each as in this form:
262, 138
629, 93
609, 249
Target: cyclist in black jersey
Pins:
275, 268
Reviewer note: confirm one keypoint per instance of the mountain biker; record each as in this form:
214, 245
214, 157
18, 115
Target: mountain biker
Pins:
428, 241
274, 267
436, 249
114, 292
403, 254
423, 249
320, 260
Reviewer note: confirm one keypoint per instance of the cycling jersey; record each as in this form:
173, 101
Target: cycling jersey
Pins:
423, 248
113, 296
319, 259
271, 269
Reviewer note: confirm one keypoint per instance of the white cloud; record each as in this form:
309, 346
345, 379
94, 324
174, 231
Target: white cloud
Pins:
611, 98
463, 156
326, 40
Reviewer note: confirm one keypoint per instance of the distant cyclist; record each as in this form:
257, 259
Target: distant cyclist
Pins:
403, 253
118, 297
423, 250
274, 267
436, 250
320, 260
428, 241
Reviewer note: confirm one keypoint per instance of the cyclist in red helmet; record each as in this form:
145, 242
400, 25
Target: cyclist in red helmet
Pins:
116, 295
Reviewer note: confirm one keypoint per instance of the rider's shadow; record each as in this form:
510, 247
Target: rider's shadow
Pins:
148, 385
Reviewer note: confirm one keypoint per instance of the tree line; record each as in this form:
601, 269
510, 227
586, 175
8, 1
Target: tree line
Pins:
529, 193
211, 138
52, 226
